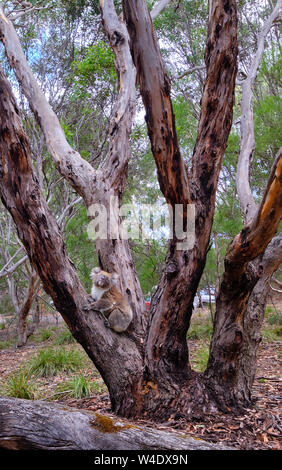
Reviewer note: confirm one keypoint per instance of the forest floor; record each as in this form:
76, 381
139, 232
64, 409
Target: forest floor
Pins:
258, 428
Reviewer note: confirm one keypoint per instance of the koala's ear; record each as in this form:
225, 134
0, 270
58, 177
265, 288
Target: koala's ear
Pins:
95, 271
115, 276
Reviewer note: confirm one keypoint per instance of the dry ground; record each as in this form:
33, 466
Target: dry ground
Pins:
258, 428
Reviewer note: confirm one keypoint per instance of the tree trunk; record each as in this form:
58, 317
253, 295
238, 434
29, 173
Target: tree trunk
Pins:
36, 314
267, 263
39, 233
25, 309
62, 428
172, 304
146, 369
109, 180
231, 337
271, 259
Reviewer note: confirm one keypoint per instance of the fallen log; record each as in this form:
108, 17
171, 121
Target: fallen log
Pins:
30, 425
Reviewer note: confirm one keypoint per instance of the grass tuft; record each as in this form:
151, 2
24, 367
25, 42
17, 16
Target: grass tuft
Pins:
50, 362
79, 387
64, 337
17, 386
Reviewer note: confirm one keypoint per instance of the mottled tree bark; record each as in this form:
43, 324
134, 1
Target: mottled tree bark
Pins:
40, 235
166, 348
95, 186
268, 262
239, 279
25, 309
62, 428
146, 369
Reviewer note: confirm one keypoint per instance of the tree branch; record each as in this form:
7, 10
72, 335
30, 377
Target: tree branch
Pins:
115, 255
43, 242
188, 72
63, 428
276, 282
158, 8
115, 165
255, 236
247, 147
155, 90
7, 271
78, 172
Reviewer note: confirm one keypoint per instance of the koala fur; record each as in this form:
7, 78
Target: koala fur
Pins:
109, 301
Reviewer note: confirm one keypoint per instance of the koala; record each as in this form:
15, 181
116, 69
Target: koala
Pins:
109, 301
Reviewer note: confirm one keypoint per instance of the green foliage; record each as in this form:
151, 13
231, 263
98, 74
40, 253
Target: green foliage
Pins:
93, 67
148, 257
79, 387
275, 319
271, 334
50, 362
75, 8
200, 328
42, 335
64, 337
200, 357
6, 344
186, 126
6, 306
17, 386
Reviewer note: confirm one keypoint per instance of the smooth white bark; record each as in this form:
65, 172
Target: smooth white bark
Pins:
247, 147
158, 8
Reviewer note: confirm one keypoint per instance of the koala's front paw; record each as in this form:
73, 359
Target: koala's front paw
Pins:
88, 307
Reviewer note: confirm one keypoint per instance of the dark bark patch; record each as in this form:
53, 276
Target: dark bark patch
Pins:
227, 7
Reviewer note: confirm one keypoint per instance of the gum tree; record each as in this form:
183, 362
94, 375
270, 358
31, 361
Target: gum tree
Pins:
147, 368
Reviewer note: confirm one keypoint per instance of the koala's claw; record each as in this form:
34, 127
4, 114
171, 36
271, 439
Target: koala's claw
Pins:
107, 323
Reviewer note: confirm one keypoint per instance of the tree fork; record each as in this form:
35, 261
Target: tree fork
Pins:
40, 235
172, 304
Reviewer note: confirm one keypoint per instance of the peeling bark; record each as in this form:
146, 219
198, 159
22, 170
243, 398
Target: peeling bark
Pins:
146, 369
239, 280
267, 263
40, 235
62, 428
171, 310
270, 260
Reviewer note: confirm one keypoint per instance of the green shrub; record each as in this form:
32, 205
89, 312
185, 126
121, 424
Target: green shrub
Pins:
18, 386
78, 387
50, 362
275, 319
273, 333
6, 344
64, 337
44, 334
200, 357
200, 329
